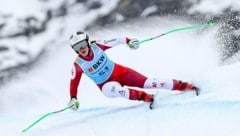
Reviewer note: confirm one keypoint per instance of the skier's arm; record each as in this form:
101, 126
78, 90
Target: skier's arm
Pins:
106, 44
75, 80
76, 76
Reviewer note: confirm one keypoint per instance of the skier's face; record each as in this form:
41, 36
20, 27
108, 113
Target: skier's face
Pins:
84, 51
80, 45
82, 48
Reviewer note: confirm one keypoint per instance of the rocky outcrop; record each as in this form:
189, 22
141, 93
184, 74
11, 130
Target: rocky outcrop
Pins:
15, 54
131, 9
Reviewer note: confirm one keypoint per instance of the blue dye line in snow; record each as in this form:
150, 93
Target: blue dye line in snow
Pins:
94, 109
109, 108
200, 103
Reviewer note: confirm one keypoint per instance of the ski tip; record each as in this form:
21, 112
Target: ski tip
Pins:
151, 106
197, 91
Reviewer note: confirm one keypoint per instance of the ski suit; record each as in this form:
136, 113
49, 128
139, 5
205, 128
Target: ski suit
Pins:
113, 79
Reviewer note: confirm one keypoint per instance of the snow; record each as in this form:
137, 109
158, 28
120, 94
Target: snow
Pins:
215, 6
188, 55
77, 19
149, 10
25, 8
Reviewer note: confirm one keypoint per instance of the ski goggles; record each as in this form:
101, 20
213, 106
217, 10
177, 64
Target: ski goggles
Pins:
80, 45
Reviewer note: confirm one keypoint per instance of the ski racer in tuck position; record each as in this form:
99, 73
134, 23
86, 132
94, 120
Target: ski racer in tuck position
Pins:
113, 79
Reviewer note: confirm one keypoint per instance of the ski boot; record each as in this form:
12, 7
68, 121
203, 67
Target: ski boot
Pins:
185, 86
142, 96
152, 104
197, 90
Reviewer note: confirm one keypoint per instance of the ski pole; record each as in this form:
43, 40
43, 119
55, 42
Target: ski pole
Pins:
44, 116
179, 29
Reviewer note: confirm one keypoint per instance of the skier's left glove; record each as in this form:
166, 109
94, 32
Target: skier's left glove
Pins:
133, 44
73, 104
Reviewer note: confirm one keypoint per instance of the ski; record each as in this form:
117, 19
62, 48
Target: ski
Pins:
197, 91
153, 104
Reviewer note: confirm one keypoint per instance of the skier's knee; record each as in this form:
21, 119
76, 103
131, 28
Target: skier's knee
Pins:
114, 89
158, 83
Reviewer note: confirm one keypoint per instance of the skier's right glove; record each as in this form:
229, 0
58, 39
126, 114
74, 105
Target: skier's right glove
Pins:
73, 104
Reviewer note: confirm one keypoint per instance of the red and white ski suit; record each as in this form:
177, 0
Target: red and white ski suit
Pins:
121, 77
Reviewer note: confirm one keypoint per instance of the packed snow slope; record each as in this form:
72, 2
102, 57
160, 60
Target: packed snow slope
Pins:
187, 55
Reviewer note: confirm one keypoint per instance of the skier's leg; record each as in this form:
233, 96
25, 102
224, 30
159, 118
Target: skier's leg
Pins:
130, 77
182, 86
159, 83
114, 89
170, 84
140, 95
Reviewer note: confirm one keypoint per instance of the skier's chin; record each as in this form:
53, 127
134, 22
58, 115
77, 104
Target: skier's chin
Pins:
83, 53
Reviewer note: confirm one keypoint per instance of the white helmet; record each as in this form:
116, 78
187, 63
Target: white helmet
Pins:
77, 38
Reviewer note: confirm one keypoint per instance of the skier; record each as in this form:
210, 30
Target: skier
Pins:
113, 79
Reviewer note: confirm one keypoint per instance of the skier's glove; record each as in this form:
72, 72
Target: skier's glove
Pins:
73, 104
134, 44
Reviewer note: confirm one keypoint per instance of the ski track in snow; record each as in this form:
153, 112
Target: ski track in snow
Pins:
185, 55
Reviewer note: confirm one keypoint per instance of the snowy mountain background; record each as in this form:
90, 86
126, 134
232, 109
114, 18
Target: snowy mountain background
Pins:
29, 28
35, 65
